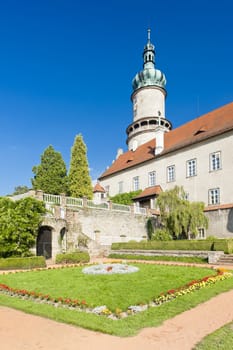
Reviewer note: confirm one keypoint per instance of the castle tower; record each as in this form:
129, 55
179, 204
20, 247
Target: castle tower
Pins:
148, 100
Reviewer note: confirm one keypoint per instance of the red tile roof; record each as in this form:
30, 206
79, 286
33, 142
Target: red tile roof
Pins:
219, 207
98, 188
211, 124
149, 191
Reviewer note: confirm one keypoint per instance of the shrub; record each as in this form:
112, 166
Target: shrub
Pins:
161, 235
71, 258
225, 245
22, 263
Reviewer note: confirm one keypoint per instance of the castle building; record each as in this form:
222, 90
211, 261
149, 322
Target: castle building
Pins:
197, 155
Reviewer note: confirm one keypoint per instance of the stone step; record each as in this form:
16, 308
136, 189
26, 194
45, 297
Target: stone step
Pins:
226, 259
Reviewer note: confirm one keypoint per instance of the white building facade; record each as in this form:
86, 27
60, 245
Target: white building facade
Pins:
198, 155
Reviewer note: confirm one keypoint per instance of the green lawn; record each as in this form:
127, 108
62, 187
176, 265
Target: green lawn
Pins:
222, 339
114, 291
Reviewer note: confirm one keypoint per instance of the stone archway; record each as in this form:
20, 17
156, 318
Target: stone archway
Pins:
44, 242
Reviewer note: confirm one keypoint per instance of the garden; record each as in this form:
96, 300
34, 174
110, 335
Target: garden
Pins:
113, 303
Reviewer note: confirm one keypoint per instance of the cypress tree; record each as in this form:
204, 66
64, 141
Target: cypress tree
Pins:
51, 174
79, 179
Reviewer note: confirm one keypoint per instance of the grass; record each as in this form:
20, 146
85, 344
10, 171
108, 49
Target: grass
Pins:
222, 339
114, 291
195, 260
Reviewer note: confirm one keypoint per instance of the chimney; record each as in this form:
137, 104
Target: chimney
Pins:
119, 152
159, 139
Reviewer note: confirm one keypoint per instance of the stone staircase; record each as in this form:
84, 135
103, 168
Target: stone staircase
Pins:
226, 259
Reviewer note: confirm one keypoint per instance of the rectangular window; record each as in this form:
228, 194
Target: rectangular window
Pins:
191, 167
152, 178
214, 196
136, 183
215, 161
171, 173
107, 188
120, 186
201, 233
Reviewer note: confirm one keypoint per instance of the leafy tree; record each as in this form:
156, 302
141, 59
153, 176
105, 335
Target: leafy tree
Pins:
79, 179
20, 190
19, 222
180, 217
125, 198
51, 174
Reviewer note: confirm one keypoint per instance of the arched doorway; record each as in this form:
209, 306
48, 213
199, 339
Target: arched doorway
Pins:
44, 242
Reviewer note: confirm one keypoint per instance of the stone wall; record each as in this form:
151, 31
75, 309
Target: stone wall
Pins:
100, 227
220, 223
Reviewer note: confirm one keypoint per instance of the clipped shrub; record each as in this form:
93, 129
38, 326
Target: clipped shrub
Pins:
165, 245
22, 263
72, 258
161, 235
225, 245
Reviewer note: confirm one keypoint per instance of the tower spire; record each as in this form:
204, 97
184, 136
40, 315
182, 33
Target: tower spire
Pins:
149, 53
148, 35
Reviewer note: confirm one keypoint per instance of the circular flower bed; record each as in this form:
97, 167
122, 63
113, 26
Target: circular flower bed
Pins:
109, 269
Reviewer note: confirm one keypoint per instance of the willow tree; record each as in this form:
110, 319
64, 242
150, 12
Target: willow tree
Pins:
180, 217
79, 179
51, 174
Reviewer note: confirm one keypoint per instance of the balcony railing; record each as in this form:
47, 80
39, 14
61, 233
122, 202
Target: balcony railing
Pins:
70, 202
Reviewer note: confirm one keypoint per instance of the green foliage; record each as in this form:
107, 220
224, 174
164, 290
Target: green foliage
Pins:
20, 190
179, 216
149, 228
125, 198
79, 179
161, 235
168, 245
22, 263
72, 258
51, 174
19, 222
188, 259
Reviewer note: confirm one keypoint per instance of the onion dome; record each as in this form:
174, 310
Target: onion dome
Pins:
149, 76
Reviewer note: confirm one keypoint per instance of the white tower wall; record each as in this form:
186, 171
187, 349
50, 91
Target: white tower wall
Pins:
148, 102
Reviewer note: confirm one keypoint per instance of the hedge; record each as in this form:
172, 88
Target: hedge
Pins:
22, 263
220, 244
189, 259
71, 258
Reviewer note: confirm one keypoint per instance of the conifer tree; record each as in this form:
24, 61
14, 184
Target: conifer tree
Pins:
51, 174
79, 179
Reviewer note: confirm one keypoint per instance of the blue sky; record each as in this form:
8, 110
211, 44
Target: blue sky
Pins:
66, 68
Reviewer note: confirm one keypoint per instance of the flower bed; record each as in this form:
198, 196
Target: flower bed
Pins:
109, 269
81, 305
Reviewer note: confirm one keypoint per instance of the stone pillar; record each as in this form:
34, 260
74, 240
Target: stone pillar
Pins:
132, 209
84, 202
39, 195
63, 199
110, 205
